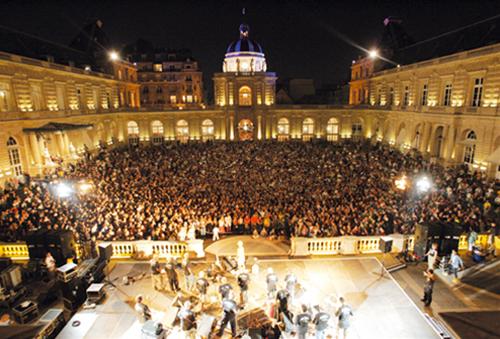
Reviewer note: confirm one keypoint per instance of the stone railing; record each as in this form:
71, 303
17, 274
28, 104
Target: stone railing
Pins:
122, 249
351, 245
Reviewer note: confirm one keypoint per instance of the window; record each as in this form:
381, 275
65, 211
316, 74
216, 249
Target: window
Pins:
36, 97
157, 132
391, 96
188, 78
14, 157
406, 97
357, 129
145, 90
182, 130
60, 94
470, 148
245, 96
159, 89
477, 92
283, 129
158, 67
332, 130
423, 102
133, 133
189, 99
307, 129
447, 95
207, 129
173, 99
379, 96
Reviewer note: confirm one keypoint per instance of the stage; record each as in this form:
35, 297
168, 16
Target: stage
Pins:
381, 308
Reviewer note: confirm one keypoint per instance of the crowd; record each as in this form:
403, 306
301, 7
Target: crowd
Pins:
271, 189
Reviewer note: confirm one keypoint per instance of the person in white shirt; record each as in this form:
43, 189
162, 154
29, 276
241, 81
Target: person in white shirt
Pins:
432, 256
142, 309
215, 233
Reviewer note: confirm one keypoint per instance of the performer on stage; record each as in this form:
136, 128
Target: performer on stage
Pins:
202, 286
173, 280
156, 273
271, 280
302, 322
320, 321
188, 276
344, 314
225, 288
230, 309
282, 297
291, 281
142, 309
243, 282
187, 321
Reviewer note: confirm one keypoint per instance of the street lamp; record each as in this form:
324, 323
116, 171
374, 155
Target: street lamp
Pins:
114, 56
373, 53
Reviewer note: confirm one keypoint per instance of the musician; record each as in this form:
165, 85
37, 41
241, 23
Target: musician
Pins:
291, 281
243, 282
302, 322
271, 280
282, 298
142, 309
230, 308
321, 320
173, 280
202, 286
156, 273
225, 289
187, 320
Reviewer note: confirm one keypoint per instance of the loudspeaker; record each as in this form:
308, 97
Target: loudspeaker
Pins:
60, 245
424, 235
105, 251
385, 244
447, 245
36, 244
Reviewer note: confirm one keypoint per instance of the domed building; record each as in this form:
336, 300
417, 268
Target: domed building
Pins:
245, 89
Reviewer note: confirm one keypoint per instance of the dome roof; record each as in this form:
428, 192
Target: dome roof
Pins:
244, 43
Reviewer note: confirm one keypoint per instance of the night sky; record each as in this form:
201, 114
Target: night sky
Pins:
298, 37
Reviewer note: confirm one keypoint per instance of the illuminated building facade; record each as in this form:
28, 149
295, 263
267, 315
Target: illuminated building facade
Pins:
446, 107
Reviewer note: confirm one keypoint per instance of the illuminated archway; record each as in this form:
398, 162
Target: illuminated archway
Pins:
283, 129
245, 129
245, 96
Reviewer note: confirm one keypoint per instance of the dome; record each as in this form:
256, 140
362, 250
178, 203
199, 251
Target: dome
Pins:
244, 43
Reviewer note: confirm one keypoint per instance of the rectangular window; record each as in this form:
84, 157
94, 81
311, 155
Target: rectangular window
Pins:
447, 95
4, 102
173, 99
391, 96
158, 67
60, 94
423, 102
379, 96
477, 92
189, 99
406, 97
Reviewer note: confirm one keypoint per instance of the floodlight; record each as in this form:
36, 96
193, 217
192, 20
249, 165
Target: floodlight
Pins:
373, 53
423, 184
63, 190
114, 56
401, 183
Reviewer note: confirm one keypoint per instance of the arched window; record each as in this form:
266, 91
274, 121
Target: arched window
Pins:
182, 130
245, 96
207, 129
145, 90
470, 148
332, 129
14, 157
157, 132
283, 129
133, 133
307, 129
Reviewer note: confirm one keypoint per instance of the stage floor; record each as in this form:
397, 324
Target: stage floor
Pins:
381, 308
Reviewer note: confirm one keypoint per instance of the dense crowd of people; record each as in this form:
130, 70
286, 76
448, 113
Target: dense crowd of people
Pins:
271, 189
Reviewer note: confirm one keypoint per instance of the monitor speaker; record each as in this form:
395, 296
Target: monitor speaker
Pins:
105, 251
385, 244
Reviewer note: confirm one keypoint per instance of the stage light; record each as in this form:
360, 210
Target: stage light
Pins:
114, 56
373, 53
85, 187
423, 184
401, 183
63, 190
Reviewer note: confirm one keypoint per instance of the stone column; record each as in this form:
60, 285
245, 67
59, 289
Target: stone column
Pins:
35, 149
427, 128
259, 127
231, 127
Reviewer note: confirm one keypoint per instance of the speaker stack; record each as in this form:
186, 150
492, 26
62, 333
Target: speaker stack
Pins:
58, 243
445, 235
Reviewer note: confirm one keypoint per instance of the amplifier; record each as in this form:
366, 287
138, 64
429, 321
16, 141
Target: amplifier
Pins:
52, 322
25, 312
11, 277
67, 272
95, 293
